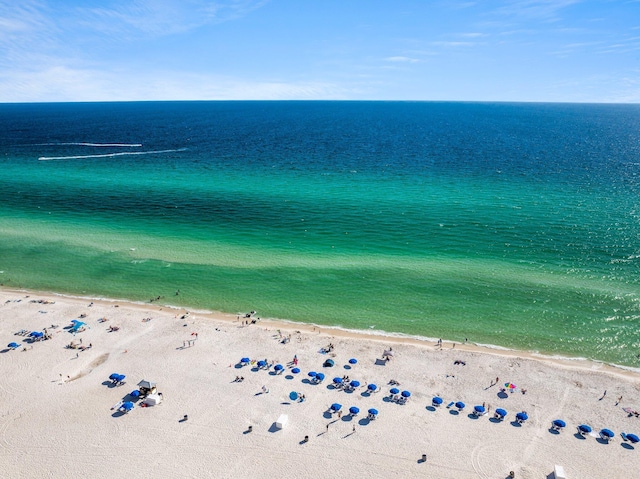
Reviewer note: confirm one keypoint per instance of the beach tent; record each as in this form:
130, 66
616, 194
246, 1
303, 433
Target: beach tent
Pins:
584, 429
152, 399
13, 345
372, 387
436, 401
633, 438
500, 413
354, 410
479, 410
353, 361
335, 407
146, 384
606, 434
328, 363
295, 370
394, 391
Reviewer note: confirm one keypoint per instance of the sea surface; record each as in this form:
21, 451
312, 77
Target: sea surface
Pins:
515, 225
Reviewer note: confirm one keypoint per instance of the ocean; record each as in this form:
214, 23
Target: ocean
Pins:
514, 225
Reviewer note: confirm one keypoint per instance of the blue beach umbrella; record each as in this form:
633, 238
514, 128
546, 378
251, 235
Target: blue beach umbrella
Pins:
13, 345
335, 407
501, 412
608, 433
633, 438
479, 409
460, 405
245, 360
312, 374
405, 394
36, 334
135, 393
559, 423
262, 363
584, 428
113, 376
120, 377
320, 377
373, 411
337, 380
278, 367
293, 395
394, 391
354, 384
523, 416
127, 406
354, 410
436, 401
353, 361
372, 387
295, 370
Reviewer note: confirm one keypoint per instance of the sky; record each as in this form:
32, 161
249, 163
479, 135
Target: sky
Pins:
410, 50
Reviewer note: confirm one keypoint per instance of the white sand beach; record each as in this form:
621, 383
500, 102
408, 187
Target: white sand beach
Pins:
57, 421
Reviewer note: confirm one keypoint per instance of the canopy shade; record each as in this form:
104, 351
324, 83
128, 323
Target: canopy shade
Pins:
633, 438
353, 361
320, 377
337, 380
293, 395
607, 433
328, 363
312, 374
146, 384
262, 363
278, 367
245, 360
134, 394
355, 384
372, 387
13, 345
479, 409
127, 406
295, 370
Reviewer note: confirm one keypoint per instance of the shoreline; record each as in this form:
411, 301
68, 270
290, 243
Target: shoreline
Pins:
577, 363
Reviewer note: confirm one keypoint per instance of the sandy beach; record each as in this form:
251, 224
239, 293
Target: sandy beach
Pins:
58, 414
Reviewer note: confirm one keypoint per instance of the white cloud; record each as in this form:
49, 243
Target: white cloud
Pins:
401, 59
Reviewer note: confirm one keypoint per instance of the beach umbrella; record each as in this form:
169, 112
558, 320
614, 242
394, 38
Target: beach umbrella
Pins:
608, 433
75, 321
372, 387
278, 367
633, 438
479, 409
354, 410
295, 370
584, 428
336, 407
113, 376
262, 363
320, 377
312, 374
559, 423
353, 361
510, 385
337, 380
245, 360
354, 384
328, 363
373, 411
460, 405
501, 412
394, 391
127, 406
523, 416
135, 393
36, 334
436, 401
13, 345
405, 394
293, 395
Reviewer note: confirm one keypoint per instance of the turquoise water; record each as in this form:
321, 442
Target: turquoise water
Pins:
509, 224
